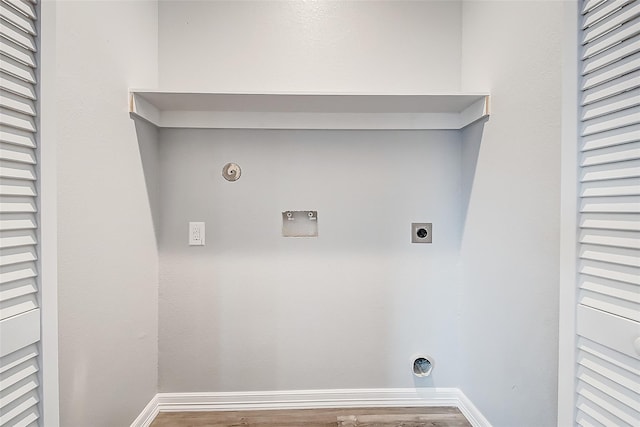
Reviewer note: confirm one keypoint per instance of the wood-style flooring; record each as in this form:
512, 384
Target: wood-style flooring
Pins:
347, 417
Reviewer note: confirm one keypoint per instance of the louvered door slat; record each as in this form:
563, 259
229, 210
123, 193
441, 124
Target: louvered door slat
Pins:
17, 137
19, 299
610, 254
17, 204
598, 221
616, 36
29, 419
17, 120
17, 103
15, 238
611, 271
14, 272
610, 56
629, 169
17, 35
619, 17
17, 170
612, 71
17, 86
618, 413
17, 289
614, 154
609, 357
617, 120
608, 237
589, 5
16, 69
23, 7
601, 416
584, 420
17, 52
18, 357
614, 187
18, 390
17, 373
605, 384
613, 86
13, 17
9, 222
611, 204
20, 410
592, 17
12, 187
17, 154
610, 366
608, 298
619, 102
607, 139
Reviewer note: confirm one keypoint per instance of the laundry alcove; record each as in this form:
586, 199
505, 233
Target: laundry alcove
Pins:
253, 310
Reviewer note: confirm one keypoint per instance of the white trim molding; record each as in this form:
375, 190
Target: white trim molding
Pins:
569, 208
50, 387
471, 413
310, 399
148, 414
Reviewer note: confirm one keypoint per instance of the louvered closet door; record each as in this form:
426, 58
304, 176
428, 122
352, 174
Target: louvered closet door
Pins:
608, 313
19, 311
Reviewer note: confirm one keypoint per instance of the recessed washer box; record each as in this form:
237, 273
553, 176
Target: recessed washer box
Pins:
300, 224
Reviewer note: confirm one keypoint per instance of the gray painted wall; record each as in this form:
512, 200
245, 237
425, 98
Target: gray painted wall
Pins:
360, 286
510, 246
324, 46
252, 310
384, 298
510, 202
107, 256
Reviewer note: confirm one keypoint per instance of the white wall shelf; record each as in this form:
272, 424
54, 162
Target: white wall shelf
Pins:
174, 109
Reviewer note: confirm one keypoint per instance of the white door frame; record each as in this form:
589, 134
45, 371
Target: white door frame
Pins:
48, 216
568, 216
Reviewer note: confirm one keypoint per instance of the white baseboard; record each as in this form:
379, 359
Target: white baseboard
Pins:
311, 399
148, 414
307, 399
470, 411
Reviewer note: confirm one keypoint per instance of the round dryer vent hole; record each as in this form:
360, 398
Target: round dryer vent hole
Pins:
422, 366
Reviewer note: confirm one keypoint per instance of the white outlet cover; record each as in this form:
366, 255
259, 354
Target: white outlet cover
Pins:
196, 234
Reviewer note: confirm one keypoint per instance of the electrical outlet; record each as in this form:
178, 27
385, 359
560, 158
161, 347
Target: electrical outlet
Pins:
196, 234
421, 232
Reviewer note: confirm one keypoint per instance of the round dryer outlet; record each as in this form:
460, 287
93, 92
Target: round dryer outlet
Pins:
421, 232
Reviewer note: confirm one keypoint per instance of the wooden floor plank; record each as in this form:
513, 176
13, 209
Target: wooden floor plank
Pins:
440, 416
403, 420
